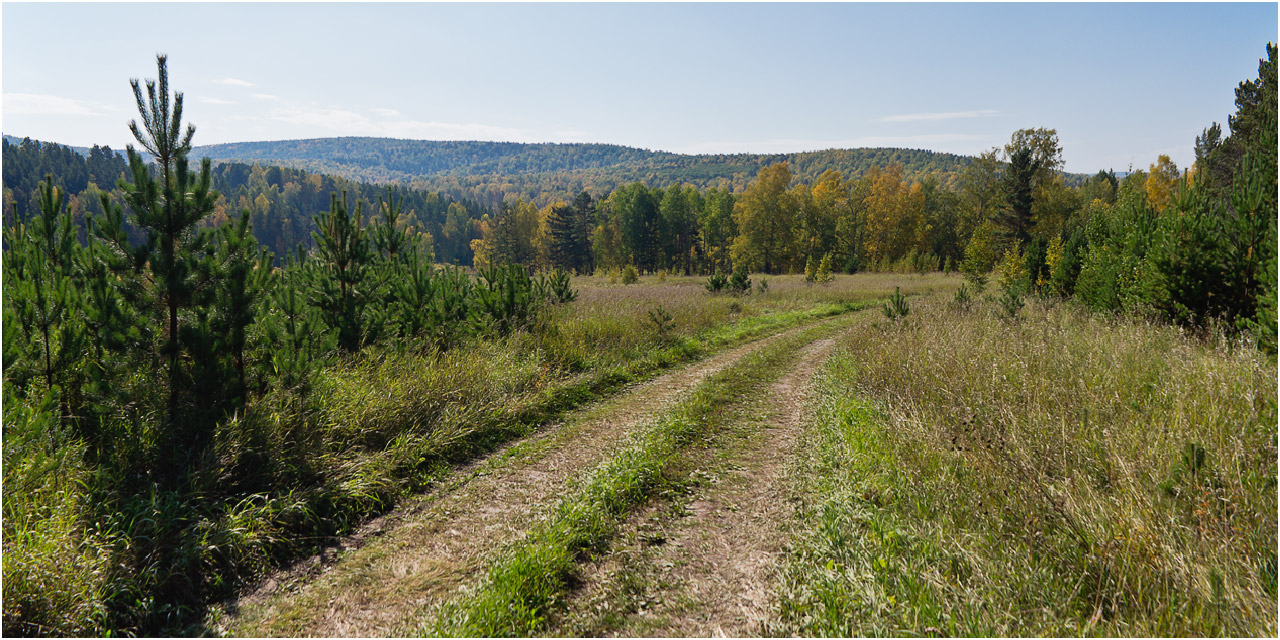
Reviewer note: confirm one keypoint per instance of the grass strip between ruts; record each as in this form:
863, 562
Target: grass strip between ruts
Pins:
533, 575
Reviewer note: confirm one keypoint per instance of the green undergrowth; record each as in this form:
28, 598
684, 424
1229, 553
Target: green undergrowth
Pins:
295, 470
1066, 474
533, 576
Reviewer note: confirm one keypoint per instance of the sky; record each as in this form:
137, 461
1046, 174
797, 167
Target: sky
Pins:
1120, 83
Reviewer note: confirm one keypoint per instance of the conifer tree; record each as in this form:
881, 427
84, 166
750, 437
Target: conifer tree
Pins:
42, 298
390, 241
1014, 220
243, 270
343, 257
168, 208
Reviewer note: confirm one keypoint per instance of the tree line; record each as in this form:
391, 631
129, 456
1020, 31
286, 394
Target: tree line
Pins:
283, 201
491, 172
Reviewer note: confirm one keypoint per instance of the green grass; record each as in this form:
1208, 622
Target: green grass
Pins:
1067, 474
287, 476
533, 576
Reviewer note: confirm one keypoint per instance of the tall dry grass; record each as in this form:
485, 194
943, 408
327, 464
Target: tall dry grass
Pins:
1061, 474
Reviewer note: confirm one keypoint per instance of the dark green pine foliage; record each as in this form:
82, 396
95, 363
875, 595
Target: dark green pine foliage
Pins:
243, 270
341, 286
639, 215
1034, 262
168, 205
507, 298
1067, 270
391, 242
569, 229
1015, 219
565, 239
42, 307
433, 308
584, 217
679, 226
1217, 253
301, 341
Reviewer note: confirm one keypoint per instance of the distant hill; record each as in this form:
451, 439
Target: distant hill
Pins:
15, 140
489, 171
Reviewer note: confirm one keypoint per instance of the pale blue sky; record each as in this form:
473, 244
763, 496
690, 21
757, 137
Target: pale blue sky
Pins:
1121, 83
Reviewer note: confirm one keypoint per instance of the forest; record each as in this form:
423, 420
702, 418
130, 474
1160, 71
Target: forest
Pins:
212, 370
491, 172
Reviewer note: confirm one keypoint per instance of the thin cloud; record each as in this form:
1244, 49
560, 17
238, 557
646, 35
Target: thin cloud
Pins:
266, 96
340, 121
234, 82
947, 115
796, 145
384, 112
207, 100
40, 104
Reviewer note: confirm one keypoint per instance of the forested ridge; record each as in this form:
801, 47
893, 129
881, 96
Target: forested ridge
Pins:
492, 171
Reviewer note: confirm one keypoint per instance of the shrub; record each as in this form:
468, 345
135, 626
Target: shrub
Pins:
560, 289
823, 274
663, 323
896, 308
629, 275
963, 300
716, 282
739, 282
507, 298
1011, 301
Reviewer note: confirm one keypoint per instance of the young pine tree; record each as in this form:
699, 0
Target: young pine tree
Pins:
343, 258
168, 206
42, 299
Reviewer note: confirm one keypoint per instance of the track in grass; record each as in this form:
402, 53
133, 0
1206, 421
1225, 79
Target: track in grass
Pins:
422, 552
705, 563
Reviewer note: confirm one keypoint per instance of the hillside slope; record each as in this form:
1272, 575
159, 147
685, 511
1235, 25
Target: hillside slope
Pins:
478, 169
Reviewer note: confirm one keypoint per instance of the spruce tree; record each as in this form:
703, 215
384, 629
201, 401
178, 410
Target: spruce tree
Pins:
1014, 220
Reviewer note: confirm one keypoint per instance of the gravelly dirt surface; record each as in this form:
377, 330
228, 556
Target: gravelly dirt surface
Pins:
425, 550
709, 563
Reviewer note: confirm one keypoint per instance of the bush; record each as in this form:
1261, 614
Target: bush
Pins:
716, 282
629, 275
663, 323
560, 290
507, 298
1011, 301
896, 308
963, 300
740, 282
823, 273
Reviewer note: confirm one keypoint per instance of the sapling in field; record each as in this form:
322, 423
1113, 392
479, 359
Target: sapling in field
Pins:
740, 282
716, 282
896, 308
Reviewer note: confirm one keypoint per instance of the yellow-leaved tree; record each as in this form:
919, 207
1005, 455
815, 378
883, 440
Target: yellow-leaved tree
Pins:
1161, 181
765, 215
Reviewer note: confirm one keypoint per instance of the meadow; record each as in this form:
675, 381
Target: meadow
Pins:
287, 476
1059, 474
